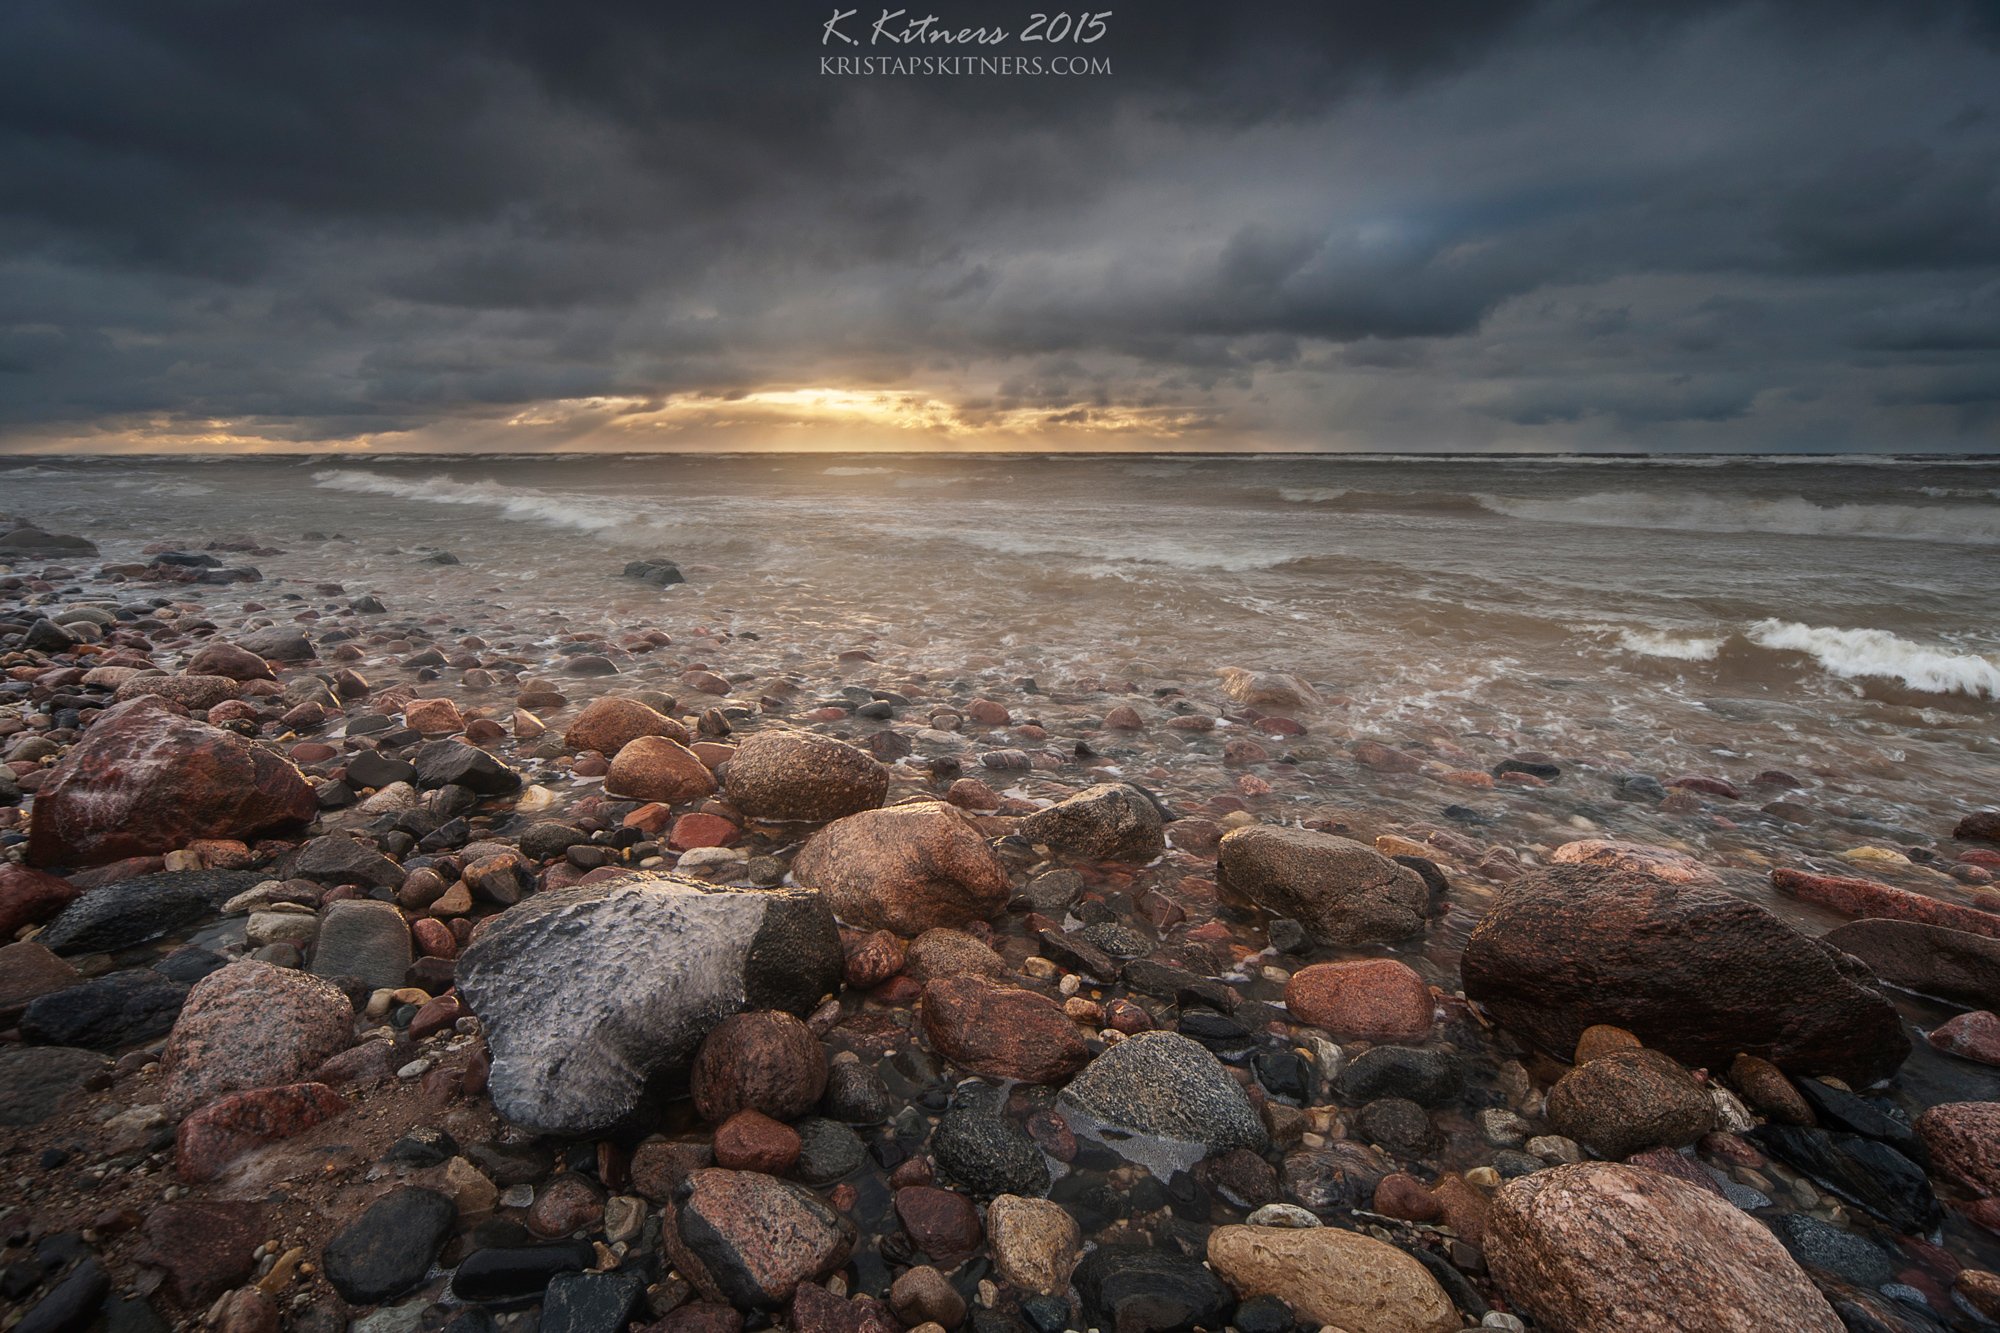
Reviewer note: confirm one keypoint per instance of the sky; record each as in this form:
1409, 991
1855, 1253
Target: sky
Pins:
378, 226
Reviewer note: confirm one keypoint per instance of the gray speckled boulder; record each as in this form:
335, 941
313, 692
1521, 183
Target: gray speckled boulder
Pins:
359, 937
1162, 1096
1113, 821
586, 993
1342, 892
133, 911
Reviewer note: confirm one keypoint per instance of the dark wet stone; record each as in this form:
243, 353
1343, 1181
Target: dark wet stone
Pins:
388, 1249
828, 1150
1863, 1171
190, 963
71, 1304
856, 1094
1150, 1291
34, 1080
105, 1013
454, 763
1399, 1125
422, 1148
1428, 1078
591, 1302
1341, 1175
372, 768
505, 1275
1285, 1075
1162, 1084
1264, 1314
987, 1154
1834, 1109
1850, 1257
142, 909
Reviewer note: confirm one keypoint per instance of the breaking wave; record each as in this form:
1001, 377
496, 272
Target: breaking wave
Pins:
1963, 525
578, 513
1848, 654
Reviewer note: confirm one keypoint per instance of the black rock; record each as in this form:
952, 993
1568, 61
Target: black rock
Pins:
422, 1148
506, 1275
1045, 1314
279, 644
107, 1012
388, 1249
548, 839
1835, 1109
856, 1094
1639, 787
337, 858
189, 964
45, 636
1400, 1125
591, 1302
1150, 1291
1850, 1257
1341, 1175
828, 1151
1288, 935
987, 1154
372, 768
135, 911
659, 573
1546, 772
454, 763
1285, 1075
1264, 1314
71, 1304
1074, 951
1864, 1171
1428, 1078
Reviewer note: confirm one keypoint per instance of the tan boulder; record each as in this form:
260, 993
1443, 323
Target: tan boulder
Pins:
1333, 1277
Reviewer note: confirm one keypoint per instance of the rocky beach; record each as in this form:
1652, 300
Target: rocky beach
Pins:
409, 932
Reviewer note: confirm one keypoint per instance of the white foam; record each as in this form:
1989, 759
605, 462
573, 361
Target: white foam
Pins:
1660, 643
580, 513
1963, 525
1311, 495
860, 471
1876, 653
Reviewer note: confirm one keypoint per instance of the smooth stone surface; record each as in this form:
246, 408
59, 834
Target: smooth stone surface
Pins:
388, 1249
1342, 892
359, 937
35, 1080
1112, 821
1153, 1290
1333, 1277
107, 1012
906, 868
142, 909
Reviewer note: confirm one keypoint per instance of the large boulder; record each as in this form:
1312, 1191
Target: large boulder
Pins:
586, 993
1964, 1142
907, 868
794, 777
1113, 821
750, 1239
1001, 1031
1951, 964
1342, 892
142, 909
1690, 970
608, 725
145, 780
1333, 1277
1605, 1246
251, 1025
1161, 1098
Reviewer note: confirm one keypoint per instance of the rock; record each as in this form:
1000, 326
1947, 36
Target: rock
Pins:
986, 1153
143, 780
359, 937
586, 992
197, 694
1866, 898
1112, 821
1628, 1100
1163, 1086
1035, 1243
1333, 1277
1342, 892
906, 869
828, 1151
1001, 1031
1428, 1078
659, 573
1267, 689
921, 1296
28, 970
656, 768
1607, 854
1602, 1039
788, 776
341, 859
205, 1247
251, 1025
278, 644
942, 952
1767, 1089
1695, 972
142, 909
1979, 826
1861, 1170
1849, 1257
591, 1302
1951, 964
1149, 1291
568, 1203
29, 540
372, 768
940, 1223
1375, 1000
388, 1249
29, 897
1397, 1125
855, 1093
71, 1304
609, 724
1964, 1141
753, 1141
454, 763
749, 1239
225, 1129
35, 1080
505, 1275
763, 1060
227, 659
105, 1013
1562, 1244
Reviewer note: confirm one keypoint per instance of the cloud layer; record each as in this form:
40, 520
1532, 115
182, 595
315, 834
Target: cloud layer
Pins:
1461, 226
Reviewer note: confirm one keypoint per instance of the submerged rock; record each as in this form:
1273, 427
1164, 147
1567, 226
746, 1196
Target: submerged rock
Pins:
1157, 1291
140, 910
1342, 892
789, 776
1964, 1141
906, 868
1162, 1086
1564, 1245
1862, 1170
1001, 1031
585, 993
1692, 971
1113, 821
609, 724
1623, 1102
750, 1239
1951, 964
145, 780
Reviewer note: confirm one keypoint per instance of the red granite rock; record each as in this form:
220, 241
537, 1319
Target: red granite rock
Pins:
30, 897
1964, 1139
655, 768
609, 725
906, 869
225, 1129
764, 1060
944, 1225
1866, 898
753, 1141
1375, 1000
1001, 1031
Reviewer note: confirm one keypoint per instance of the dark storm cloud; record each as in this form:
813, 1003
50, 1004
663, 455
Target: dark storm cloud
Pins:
1450, 225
